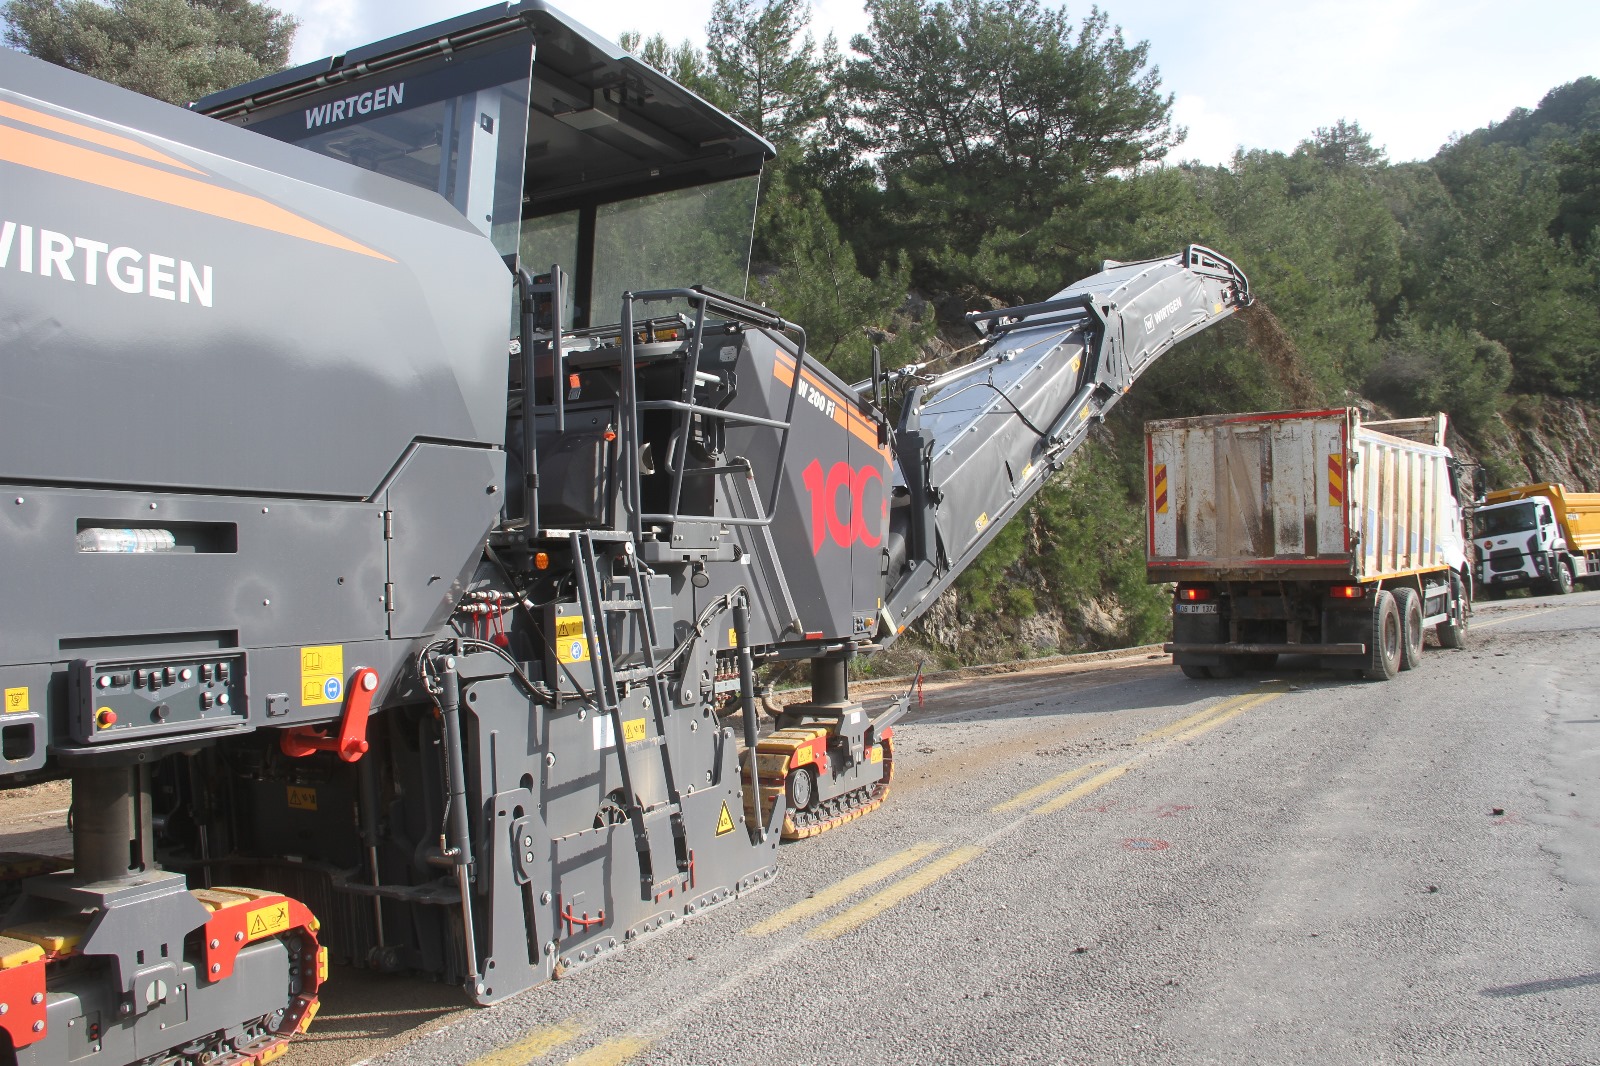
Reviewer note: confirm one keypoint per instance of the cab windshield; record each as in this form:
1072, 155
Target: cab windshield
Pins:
1503, 520
696, 236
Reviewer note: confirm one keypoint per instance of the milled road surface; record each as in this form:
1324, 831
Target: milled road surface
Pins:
1116, 864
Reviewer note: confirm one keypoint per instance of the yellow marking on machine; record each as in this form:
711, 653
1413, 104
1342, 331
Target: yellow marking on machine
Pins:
1072, 795
321, 674
537, 1044
266, 921
724, 820
1037, 791
633, 731
572, 646
16, 700
842, 890
57, 936
16, 952
301, 797
612, 1052
899, 892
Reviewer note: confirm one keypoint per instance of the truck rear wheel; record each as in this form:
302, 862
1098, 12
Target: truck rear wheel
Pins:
1453, 634
1561, 584
1383, 648
1195, 673
1409, 604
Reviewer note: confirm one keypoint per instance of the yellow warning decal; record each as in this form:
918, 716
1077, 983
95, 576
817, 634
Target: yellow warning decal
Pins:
733, 637
571, 644
724, 821
982, 520
267, 921
321, 674
633, 730
302, 799
876, 755
1027, 472
16, 700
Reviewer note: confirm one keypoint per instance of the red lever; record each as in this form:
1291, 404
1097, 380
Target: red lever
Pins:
351, 741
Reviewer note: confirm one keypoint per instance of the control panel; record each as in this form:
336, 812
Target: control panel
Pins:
121, 701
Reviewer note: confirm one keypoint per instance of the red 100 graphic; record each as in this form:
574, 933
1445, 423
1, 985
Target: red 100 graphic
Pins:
825, 489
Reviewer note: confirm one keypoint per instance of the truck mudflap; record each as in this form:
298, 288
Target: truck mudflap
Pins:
1187, 648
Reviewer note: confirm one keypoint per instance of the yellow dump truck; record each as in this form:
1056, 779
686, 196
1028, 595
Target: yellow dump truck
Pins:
1307, 532
1540, 536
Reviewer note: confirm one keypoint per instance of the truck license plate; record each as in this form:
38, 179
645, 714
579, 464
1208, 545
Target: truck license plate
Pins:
1197, 608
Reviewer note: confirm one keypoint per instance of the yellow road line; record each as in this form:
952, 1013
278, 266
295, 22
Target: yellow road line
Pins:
848, 887
612, 1052
1232, 712
535, 1045
1072, 795
900, 891
1058, 781
1184, 723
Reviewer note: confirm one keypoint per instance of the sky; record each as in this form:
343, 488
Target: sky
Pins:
1247, 74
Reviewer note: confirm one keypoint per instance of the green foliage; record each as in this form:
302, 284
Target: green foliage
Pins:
1423, 369
987, 115
807, 272
1079, 549
683, 63
767, 69
174, 50
1484, 260
1578, 183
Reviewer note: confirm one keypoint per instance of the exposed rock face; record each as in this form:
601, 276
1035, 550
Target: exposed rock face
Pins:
1554, 440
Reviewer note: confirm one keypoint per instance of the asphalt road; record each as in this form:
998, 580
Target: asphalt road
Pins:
1111, 863
1117, 864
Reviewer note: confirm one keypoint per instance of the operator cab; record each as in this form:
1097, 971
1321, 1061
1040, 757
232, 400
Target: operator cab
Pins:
556, 144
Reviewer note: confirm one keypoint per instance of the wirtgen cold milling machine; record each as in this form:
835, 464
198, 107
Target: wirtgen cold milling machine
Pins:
309, 586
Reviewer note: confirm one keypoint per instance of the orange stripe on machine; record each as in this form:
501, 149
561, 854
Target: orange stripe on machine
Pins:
837, 407
150, 183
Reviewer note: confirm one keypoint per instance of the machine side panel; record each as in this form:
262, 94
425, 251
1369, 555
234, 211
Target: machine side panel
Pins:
443, 502
832, 492
251, 331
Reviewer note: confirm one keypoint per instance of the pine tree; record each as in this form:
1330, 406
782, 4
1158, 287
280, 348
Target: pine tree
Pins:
768, 70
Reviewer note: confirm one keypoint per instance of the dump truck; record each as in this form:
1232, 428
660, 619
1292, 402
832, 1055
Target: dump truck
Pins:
1307, 532
1541, 536
397, 491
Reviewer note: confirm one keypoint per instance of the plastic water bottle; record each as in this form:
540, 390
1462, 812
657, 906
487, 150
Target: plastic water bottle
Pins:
138, 541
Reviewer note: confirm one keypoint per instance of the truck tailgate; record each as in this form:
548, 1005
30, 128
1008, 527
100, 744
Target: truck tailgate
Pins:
1295, 494
1248, 495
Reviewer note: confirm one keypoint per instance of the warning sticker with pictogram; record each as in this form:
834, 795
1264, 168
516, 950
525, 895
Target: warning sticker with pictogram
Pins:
321, 675
265, 921
724, 821
16, 700
571, 645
